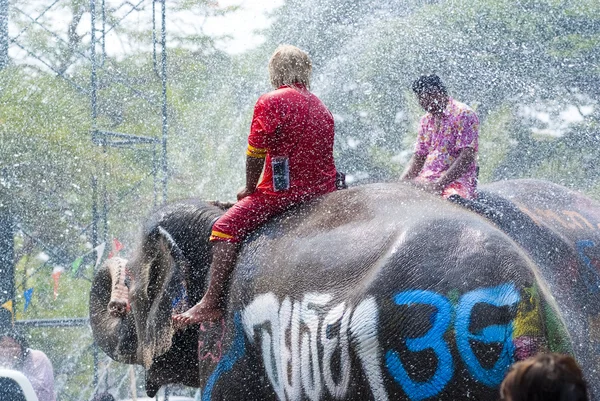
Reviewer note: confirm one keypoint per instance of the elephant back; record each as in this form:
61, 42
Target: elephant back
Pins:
384, 292
560, 230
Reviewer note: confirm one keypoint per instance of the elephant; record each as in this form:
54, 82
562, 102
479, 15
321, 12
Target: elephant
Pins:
379, 291
560, 230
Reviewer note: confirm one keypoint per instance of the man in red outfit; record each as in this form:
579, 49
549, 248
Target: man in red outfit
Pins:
291, 145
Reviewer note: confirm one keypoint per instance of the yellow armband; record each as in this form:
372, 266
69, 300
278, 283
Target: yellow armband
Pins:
256, 152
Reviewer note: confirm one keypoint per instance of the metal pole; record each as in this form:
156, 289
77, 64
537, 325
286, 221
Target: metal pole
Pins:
7, 267
103, 32
154, 175
94, 110
93, 82
165, 125
65, 322
95, 219
154, 61
3, 33
105, 211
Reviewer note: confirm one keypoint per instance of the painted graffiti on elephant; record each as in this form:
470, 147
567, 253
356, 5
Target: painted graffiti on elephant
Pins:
433, 339
292, 332
569, 219
300, 340
210, 340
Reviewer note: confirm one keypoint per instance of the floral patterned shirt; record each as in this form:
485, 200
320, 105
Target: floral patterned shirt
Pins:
441, 139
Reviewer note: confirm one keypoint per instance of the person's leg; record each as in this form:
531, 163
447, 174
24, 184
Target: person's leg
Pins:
212, 305
242, 218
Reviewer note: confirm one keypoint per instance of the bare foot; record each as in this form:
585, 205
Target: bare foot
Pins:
201, 312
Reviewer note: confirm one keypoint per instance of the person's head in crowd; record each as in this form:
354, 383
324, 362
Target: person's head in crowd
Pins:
431, 93
13, 348
106, 396
545, 377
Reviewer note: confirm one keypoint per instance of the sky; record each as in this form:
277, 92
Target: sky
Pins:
243, 24
241, 27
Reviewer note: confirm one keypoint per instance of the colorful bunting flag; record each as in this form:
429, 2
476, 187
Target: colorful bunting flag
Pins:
8, 305
55, 276
76, 265
83, 259
116, 248
27, 294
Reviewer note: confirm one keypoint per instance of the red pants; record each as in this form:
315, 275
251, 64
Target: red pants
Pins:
249, 214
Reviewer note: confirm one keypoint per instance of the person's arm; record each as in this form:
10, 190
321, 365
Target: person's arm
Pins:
254, 168
41, 375
414, 167
263, 126
468, 137
459, 167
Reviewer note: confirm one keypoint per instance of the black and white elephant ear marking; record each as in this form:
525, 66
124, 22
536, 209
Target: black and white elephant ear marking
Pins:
181, 268
166, 290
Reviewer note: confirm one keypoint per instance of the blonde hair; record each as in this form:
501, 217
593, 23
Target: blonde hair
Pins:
289, 65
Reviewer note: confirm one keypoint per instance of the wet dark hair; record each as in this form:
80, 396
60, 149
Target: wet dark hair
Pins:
19, 339
429, 84
545, 377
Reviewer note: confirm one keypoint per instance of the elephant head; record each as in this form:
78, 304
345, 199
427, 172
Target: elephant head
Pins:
172, 252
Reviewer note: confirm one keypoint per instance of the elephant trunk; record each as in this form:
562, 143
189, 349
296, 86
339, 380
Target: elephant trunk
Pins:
112, 324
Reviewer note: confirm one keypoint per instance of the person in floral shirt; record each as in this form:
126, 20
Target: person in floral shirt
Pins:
445, 157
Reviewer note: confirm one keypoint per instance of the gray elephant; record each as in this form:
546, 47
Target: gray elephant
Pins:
560, 230
376, 292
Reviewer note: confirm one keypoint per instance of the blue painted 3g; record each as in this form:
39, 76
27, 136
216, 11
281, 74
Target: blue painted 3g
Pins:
502, 295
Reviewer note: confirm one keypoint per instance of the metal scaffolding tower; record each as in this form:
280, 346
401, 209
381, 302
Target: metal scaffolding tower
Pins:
107, 139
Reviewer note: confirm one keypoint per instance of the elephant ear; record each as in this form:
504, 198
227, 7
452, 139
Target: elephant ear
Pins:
166, 294
116, 336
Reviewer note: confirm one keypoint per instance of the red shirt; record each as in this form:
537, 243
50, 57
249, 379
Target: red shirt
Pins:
283, 125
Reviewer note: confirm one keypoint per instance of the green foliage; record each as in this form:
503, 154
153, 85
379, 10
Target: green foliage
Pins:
494, 143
